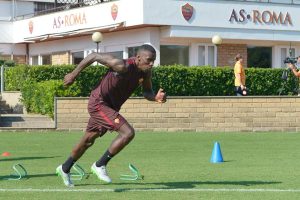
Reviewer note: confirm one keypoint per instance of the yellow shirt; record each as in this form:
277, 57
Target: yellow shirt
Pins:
238, 69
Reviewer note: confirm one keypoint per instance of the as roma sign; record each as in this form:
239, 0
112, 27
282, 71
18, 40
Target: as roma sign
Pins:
187, 11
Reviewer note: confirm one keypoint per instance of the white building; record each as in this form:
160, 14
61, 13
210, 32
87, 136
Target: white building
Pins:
181, 31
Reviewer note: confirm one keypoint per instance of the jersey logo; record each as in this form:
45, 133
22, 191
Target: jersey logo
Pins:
117, 121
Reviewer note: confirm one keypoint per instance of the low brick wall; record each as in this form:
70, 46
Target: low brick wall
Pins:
201, 114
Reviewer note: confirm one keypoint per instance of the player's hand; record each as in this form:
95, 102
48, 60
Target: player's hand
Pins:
161, 96
69, 79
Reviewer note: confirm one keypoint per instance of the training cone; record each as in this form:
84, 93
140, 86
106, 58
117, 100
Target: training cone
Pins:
216, 156
5, 154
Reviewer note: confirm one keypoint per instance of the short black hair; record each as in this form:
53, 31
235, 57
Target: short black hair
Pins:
146, 47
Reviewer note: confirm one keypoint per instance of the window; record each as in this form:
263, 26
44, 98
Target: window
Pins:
34, 60
174, 54
286, 52
42, 6
259, 57
203, 54
132, 51
77, 57
117, 54
46, 60
211, 55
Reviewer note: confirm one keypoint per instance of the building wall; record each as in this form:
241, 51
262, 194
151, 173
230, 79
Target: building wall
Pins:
60, 58
5, 57
227, 53
19, 59
200, 114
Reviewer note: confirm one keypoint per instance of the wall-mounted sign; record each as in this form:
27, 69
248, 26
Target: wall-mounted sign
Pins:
187, 11
261, 17
69, 20
114, 11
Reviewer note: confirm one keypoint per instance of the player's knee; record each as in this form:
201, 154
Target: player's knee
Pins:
129, 135
89, 141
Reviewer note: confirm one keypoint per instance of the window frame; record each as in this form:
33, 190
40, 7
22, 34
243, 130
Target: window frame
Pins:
194, 54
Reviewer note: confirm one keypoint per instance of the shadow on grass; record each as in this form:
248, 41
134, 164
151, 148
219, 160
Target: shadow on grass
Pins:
186, 184
27, 158
193, 184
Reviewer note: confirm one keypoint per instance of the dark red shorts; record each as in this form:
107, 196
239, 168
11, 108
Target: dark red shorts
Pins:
104, 118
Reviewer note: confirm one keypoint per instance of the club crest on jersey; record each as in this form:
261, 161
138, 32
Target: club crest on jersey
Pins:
187, 11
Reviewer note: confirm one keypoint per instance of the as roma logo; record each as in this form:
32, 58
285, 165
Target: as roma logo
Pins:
187, 11
114, 11
30, 26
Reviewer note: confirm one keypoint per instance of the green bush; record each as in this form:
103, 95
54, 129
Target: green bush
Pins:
194, 81
38, 97
39, 85
219, 81
15, 77
177, 80
9, 63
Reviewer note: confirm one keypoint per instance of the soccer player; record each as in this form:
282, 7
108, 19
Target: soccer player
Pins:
105, 101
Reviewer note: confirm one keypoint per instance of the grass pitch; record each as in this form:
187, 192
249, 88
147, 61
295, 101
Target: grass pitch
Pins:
175, 166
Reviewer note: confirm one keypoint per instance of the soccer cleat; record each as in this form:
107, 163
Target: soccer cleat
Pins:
65, 176
101, 173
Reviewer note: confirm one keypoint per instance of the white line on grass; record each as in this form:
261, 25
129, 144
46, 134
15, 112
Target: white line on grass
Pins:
148, 190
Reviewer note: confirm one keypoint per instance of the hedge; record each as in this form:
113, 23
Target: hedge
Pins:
39, 84
177, 80
38, 97
16, 76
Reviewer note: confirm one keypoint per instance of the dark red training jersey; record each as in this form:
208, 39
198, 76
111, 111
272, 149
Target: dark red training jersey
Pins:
115, 88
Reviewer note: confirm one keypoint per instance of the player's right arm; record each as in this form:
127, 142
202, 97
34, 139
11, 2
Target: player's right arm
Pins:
108, 60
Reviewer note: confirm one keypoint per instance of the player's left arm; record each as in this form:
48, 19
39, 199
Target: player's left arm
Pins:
160, 97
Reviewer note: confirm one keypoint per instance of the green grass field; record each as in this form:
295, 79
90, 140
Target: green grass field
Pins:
175, 166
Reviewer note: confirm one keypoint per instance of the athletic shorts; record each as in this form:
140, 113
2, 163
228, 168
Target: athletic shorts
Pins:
104, 118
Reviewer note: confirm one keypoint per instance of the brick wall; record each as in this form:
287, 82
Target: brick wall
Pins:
227, 53
59, 58
212, 114
5, 57
19, 59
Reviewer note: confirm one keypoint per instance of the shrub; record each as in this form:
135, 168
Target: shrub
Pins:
38, 97
177, 80
39, 85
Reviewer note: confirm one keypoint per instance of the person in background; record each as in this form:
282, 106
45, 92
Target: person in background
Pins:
240, 76
294, 67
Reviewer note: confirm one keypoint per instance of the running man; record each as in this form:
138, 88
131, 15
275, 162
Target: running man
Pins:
105, 101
